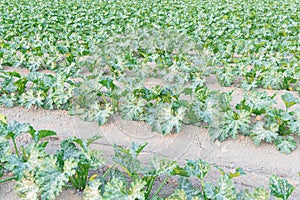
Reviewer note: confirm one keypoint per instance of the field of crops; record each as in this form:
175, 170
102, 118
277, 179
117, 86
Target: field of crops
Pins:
152, 61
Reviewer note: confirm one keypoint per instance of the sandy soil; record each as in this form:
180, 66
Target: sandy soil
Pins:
191, 143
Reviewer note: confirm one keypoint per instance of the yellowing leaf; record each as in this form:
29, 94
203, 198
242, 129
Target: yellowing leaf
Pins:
3, 118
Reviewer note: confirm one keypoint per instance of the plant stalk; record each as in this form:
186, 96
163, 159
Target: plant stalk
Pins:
15, 146
161, 186
149, 187
108, 170
8, 179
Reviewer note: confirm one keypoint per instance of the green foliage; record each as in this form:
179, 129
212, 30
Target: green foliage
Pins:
280, 187
225, 189
294, 123
165, 119
262, 133
40, 175
258, 194
256, 102
289, 100
116, 189
127, 159
178, 194
286, 145
76, 149
190, 191
100, 62
197, 168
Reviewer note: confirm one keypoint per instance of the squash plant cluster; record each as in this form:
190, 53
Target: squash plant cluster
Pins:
41, 175
96, 58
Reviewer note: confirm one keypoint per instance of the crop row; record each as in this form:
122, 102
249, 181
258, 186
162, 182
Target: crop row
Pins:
40, 175
165, 107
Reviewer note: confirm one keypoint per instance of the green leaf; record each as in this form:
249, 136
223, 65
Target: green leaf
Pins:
127, 158
197, 168
164, 119
5, 148
258, 194
14, 74
294, 123
3, 119
190, 191
132, 108
51, 179
289, 100
136, 189
272, 79
92, 140
180, 171
116, 189
238, 172
108, 83
76, 149
32, 97
26, 188
102, 115
286, 145
178, 195
280, 187
161, 166
136, 149
256, 102
93, 190
32, 158
235, 122
45, 133
226, 75
14, 129
38, 135
9, 100
261, 133
225, 189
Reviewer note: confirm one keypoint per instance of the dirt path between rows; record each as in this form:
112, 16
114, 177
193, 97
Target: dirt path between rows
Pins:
191, 143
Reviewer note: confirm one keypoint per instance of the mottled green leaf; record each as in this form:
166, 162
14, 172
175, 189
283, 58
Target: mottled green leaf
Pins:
286, 145
280, 187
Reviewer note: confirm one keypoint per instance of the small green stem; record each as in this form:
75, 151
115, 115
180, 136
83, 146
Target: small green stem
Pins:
161, 186
114, 104
74, 182
203, 187
150, 187
15, 146
68, 186
109, 170
8, 179
104, 99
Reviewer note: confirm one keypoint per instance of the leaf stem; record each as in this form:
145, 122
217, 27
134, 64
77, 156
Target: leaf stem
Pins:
161, 186
68, 186
8, 179
109, 170
149, 187
203, 188
15, 146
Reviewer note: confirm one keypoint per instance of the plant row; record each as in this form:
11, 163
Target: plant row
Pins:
41, 175
257, 41
164, 107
